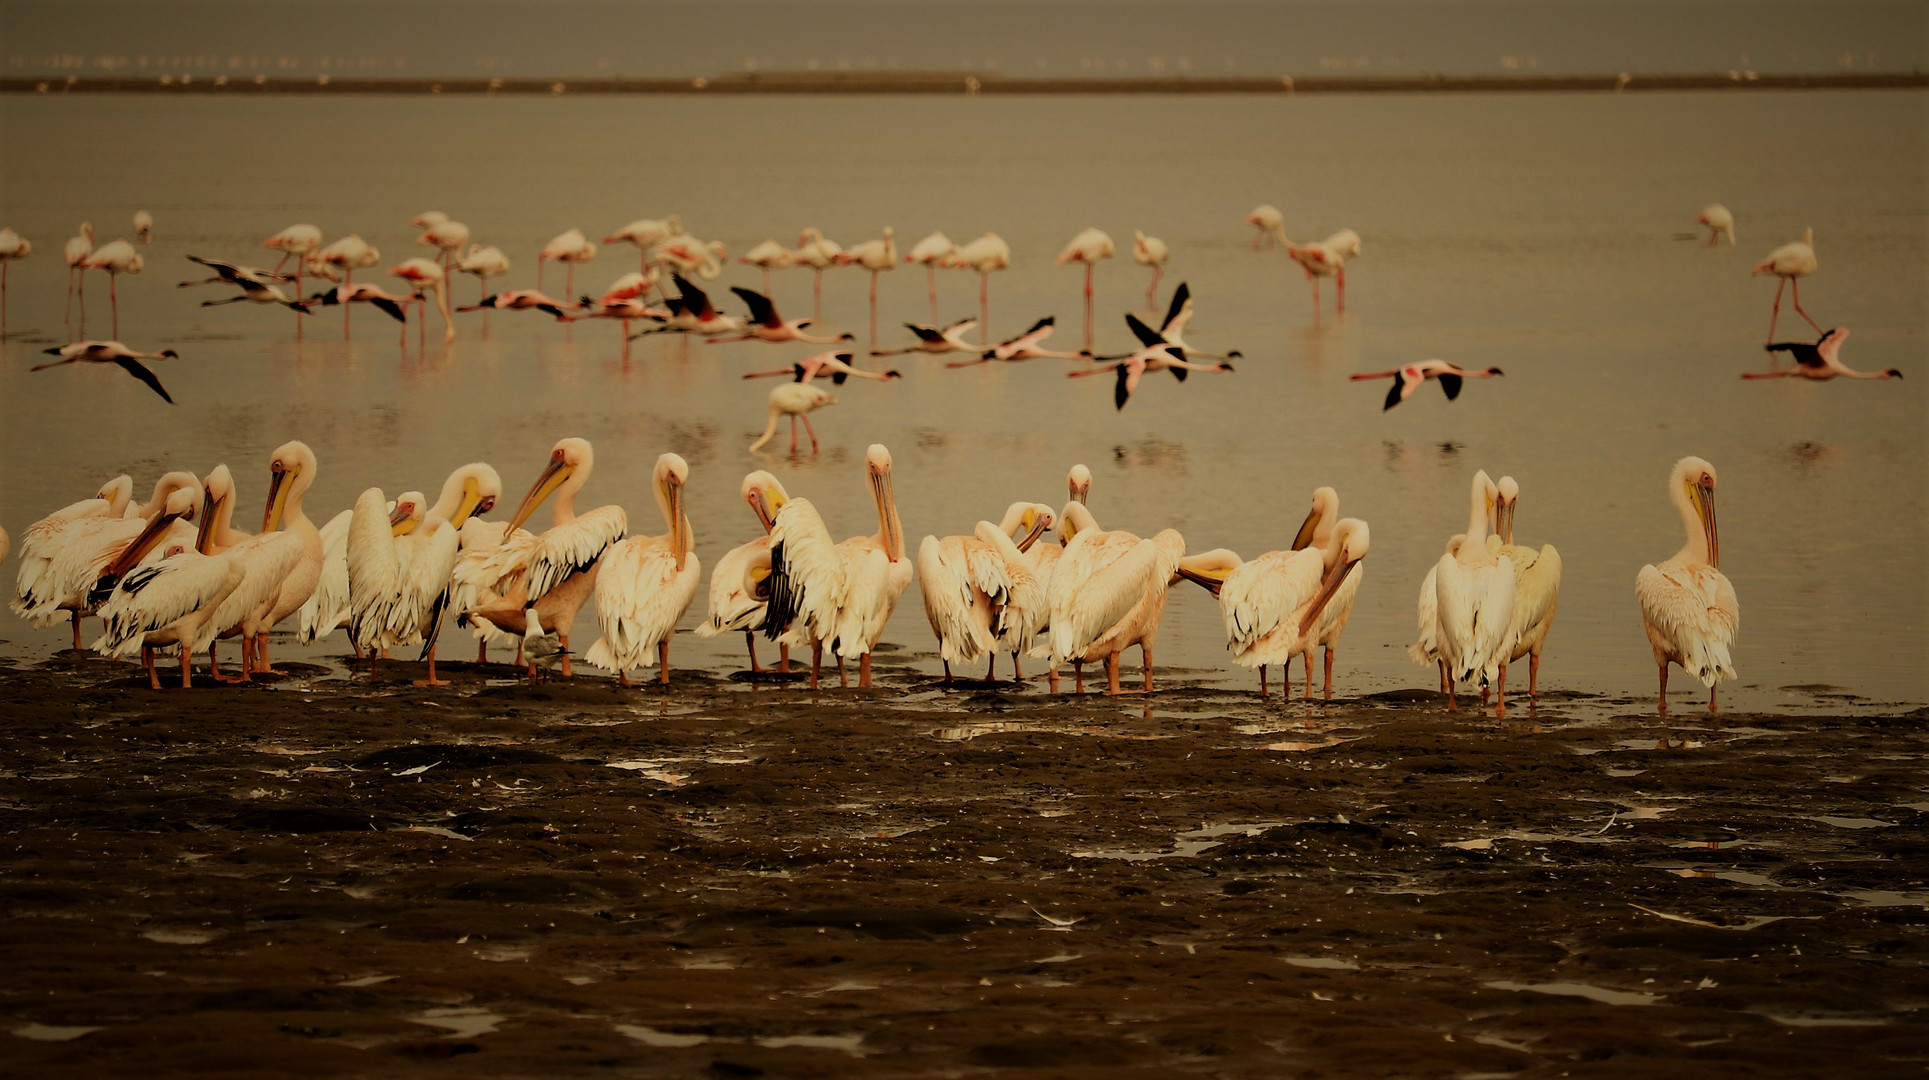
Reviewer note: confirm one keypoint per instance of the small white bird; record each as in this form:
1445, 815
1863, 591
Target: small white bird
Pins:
1688, 607
647, 583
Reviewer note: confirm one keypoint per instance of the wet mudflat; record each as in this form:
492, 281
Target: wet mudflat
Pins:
327, 878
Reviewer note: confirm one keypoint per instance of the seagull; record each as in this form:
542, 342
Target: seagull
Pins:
1821, 361
113, 352
1408, 379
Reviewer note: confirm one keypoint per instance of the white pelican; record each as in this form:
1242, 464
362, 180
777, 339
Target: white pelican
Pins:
75, 556
1688, 607
647, 233
876, 256
1274, 605
144, 226
768, 255
1326, 258
569, 247
291, 471
12, 246
42, 541
77, 249
1088, 247
113, 352
796, 400
816, 251
1150, 251
647, 583
164, 592
1820, 362
931, 251
264, 561
838, 595
1425, 649
1320, 530
1790, 263
981, 594
1026, 346
987, 255
1719, 221
938, 339
1475, 592
1408, 379
399, 563
1271, 225
767, 325
1078, 483
1044, 562
1537, 583
563, 563
1108, 593
491, 565
740, 582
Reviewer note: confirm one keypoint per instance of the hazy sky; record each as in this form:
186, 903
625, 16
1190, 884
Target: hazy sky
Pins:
1056, 38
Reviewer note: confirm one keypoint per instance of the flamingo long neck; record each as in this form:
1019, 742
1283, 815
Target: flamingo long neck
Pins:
1696, 549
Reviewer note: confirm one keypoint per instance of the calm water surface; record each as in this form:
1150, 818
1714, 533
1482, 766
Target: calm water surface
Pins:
1533, 233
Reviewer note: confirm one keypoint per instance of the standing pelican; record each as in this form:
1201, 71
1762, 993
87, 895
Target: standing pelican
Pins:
987, 255
1150, 251
647, 583
1271, 225
328, 609
876, 256
1688, 606
12, 246
1320, 530
1274, 606
169, 599
393, 556
931, 251
1718, 221
266, 562
1107, 594
42, 542
838, 596
291, 471
981, 594
740, 582
1790, 263
563, 564
1088, 247
569, 247
796, 400
86, 544
1475, 591
1537, 583
1425, 649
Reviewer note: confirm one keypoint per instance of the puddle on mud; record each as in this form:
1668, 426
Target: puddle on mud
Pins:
1185, 845
1326, 963
668, 1040
180, 937
464, 1022
53, 1032
1580, 990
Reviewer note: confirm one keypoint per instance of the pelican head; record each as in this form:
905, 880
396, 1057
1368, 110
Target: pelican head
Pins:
1075, 519
877, 470
217, 488
180, 504
1079, 483
668, 477
1353, 539
1694, 483
568, 458
290, 471
1319, 520
410, 508
764, 495
1025, 522
1507, 493
1208, 569
173, 481
118, 492
470, 490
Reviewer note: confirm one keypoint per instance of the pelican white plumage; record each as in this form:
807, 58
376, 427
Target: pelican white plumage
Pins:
876, 256
164, 592
796, 400
1273, 605
1320, 531
740, 582
1425, 649
65, 567
1108, 593
981, 594
1088, 247
987, 255
1789, 263
563, 563
1475, 592
1537, 583
1688, 606
1719, 222
41, 544
328, 610
291, 472
1271, 225
399, 564
569, 247
265, 561
838, 596
1153, 252
932, 251
647, 583
12, 246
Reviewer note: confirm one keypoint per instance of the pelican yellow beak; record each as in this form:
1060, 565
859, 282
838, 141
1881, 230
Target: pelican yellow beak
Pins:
1327, 588
278, 488
546, 485
1035, 523
673, 493
765, 503
135, 551
1504, 522
1211, 579
204, 536
1306, 529
1703, 497
401, 520
472, 503
757, 583
887, 513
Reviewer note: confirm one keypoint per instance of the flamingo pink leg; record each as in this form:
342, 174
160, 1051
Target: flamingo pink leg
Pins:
348, 278
984, 308
817, 296
1341, 286
931, 280
1090, 325
1775, 311
1794, 290
873, 311
812, 432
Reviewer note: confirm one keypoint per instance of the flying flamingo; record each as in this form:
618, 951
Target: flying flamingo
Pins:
1821, 361
837, 364
112, 352
1326, 258
347, 254
647, 233
876, 256
77, 250
144, 226
1087, 247
521, 300
938, 339
987, 254
1688, 607
1788, 262
117, 257
1719, 221
769, 255
12, 246
1150, 251
816, 251
1408, 379
256, 285
1026, 346
569, 247
1270, 223
691, 312
931, 251
767, 325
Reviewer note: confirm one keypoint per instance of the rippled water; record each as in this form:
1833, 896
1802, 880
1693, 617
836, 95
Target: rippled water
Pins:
1536, 233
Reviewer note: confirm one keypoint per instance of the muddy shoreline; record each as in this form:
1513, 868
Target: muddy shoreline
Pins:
323, 878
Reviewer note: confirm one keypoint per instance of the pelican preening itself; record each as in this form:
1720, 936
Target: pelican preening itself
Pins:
1718, 221
399, 564
62, 556
1790, 263
981, 594
1107, 594
837, 596
740, 582
165, 592
1475, 594
113, 352
1688, 607
646, 584
1537, 583
1408, 379
1819, 362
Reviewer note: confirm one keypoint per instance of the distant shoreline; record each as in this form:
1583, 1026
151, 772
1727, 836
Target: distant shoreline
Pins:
967, 83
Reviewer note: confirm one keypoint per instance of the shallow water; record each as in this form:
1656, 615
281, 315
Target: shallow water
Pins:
1533, 233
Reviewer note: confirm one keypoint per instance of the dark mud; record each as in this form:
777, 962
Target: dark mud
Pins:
325, 878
